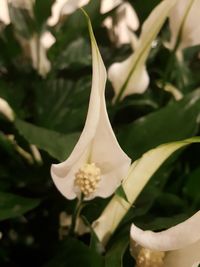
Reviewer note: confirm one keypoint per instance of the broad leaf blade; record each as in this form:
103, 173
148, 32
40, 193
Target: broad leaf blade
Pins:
140, 173
56, 144
174, 122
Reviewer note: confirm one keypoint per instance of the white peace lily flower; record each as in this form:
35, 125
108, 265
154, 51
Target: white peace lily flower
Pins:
180, 243
64, 7
97, 164
184, 24
139, 80
130, 76
123, 20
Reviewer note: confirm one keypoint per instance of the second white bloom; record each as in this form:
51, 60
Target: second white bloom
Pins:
180, 243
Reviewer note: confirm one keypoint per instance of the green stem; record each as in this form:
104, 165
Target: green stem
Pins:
76, 215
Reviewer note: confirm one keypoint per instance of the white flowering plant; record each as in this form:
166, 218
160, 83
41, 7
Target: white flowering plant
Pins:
99, 140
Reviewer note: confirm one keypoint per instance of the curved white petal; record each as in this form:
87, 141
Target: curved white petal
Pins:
186, 257
97, 142
55, 11
177, 237
72, 5
47, 39
185, 18
131, 18
133, 69
138, 81
119, 25
64, 7
108, 5
191, 31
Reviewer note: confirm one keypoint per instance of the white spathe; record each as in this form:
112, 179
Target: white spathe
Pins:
64, 7
184, 18
139, 79
123, 20
130, 76
181, 242
97, 143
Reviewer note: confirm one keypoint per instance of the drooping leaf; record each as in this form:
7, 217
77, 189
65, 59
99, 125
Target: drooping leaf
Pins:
57, 145
140, 173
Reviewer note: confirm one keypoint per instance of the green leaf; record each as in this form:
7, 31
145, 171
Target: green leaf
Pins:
160, 223
61, 104
56, 144
114, 256
76, 55
176, 121
192, 186
73, 253
121, 193
12, 206
74, 27
140, 173
9, 45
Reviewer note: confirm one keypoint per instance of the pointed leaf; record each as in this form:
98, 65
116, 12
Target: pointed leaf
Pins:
140, 173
